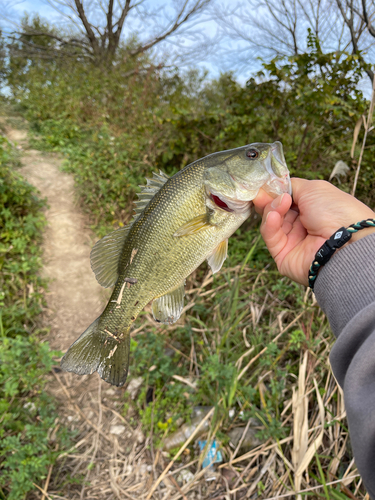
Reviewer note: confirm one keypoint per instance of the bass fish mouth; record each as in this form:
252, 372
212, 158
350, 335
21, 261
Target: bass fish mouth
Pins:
230, 204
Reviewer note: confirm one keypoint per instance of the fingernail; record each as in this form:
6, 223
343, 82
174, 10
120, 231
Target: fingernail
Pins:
277, 201
265, 222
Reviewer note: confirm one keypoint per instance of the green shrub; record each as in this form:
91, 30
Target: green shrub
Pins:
28, 443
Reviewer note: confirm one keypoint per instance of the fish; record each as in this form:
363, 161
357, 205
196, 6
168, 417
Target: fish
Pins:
179, 222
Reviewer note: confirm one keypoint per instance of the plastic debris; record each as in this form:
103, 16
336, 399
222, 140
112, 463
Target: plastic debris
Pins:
179, 437
117, 429
133, 386
185, 476
30, 406
213, 455
249, 440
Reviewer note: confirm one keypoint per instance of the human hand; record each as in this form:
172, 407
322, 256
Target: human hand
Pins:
294, 232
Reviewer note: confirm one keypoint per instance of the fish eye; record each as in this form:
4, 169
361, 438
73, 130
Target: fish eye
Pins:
252, 153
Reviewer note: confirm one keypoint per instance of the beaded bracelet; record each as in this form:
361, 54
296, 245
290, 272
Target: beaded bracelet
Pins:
337, 240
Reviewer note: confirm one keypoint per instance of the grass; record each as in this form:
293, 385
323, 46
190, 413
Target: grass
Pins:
254, 348
239, 350
30, 442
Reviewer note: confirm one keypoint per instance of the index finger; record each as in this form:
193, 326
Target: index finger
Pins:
261, 200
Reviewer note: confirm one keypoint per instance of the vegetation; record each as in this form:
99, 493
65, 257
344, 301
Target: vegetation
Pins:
241, 346
29, 441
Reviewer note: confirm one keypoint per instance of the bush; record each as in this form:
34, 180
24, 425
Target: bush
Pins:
28, 443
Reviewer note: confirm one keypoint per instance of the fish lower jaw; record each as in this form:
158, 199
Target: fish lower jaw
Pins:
278, 186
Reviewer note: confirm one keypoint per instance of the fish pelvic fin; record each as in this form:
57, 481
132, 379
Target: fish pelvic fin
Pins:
98, 350
216, 259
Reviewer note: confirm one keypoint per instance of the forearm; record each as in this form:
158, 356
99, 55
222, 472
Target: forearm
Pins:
345, 290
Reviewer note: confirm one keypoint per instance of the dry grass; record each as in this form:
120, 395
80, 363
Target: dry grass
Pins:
313, 459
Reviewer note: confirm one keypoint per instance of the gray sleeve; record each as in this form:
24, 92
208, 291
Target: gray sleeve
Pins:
345, 290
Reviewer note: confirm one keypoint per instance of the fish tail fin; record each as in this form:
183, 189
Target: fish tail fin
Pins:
97, 350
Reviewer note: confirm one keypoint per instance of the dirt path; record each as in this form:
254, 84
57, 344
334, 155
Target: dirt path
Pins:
74, 298
112, 456
86, 405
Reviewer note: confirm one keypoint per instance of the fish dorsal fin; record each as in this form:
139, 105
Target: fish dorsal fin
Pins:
106, 253
167, 308
149, 191
199, 223
105, 256
216, 259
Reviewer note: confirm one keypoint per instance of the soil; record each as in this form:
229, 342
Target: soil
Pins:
86, 405
74, 298
110, 457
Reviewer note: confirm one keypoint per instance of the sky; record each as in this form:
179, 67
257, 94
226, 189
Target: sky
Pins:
224, 54
212, 60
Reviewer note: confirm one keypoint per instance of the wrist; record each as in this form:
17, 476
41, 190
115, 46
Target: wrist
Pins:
362, 234
338, 240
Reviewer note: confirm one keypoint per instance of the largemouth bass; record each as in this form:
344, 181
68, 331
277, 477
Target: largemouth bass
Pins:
180, 221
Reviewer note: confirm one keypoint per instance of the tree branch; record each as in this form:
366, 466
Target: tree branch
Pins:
354, 38
71, 41
90, 34
369, 26
199, 5
101, 39
120, 22
41, 52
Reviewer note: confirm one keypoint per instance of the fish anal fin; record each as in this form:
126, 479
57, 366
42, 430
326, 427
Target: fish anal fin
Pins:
106, 254
97, 350
168, 308
193, 226
216, 259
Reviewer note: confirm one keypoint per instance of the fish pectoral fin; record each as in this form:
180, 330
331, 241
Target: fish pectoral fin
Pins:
97, 350
167, 308
105, 256
199, 223
216, 259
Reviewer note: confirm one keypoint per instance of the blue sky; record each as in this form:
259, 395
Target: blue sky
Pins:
224, 56
212, 61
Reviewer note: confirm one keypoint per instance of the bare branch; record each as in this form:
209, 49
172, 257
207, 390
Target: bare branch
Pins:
121, 20
354, 34
72, 41
101, 23
41, 51
86, 24
370, 27
78, 25
198, 6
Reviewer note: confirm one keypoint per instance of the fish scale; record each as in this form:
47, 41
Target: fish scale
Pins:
177, 227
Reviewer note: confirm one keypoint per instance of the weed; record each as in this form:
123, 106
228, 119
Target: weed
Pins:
30, 440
